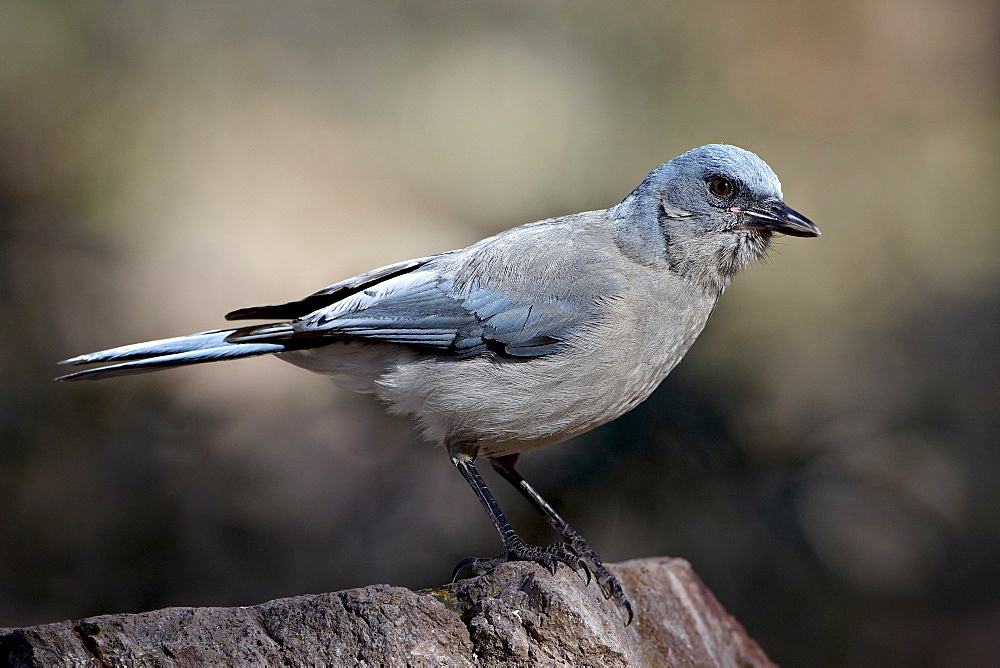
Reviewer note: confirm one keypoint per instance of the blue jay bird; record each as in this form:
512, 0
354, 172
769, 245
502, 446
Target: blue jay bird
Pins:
526, 338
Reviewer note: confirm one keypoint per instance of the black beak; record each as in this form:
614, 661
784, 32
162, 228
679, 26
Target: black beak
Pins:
776, 216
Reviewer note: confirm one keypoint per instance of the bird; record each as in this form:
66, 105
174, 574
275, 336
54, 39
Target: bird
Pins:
526, 338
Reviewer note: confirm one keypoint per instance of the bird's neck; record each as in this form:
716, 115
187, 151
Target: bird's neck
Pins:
706, 265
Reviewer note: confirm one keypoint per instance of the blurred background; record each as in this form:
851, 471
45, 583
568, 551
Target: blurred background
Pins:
826, 456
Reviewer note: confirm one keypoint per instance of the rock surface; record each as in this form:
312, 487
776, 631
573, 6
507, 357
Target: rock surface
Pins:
518, 615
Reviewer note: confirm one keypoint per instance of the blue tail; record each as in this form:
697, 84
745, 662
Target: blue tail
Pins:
168, 353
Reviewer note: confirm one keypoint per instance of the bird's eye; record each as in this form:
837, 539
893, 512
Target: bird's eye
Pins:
721, 187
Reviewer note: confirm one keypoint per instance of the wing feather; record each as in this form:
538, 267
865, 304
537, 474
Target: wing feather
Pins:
516, 294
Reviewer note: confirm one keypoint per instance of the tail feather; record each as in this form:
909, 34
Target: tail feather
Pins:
168, 353
177, 344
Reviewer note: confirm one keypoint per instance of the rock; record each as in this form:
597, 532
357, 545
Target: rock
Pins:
518, 615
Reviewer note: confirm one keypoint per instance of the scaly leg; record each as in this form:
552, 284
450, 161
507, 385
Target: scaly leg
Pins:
586, 557
515, 548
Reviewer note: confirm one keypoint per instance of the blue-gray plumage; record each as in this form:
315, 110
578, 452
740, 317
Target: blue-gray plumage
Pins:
526, 338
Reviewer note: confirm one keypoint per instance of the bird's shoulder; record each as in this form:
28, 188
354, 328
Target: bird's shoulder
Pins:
571, 257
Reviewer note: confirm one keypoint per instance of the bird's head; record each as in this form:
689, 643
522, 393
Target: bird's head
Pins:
716, 208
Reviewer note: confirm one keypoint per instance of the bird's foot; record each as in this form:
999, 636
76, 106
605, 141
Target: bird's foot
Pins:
609, 584
573, 552
517, 550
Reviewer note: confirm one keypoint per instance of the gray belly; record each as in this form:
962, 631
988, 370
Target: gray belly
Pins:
514, 406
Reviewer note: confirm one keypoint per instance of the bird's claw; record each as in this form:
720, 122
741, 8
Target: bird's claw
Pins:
591, 563
517, 550
573, 552
468, 561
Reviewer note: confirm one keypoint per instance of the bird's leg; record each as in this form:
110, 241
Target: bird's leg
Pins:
515, 549
586, 557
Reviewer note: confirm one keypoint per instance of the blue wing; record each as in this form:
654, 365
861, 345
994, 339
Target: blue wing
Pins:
521, 293
426, 309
